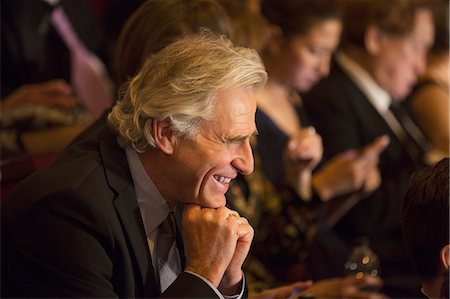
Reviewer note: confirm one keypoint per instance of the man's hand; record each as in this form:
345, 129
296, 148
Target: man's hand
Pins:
287, 291
53, 93
345, 287
351, 171
216, 243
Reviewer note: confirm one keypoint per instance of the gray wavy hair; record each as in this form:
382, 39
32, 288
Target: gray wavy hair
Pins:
180, 84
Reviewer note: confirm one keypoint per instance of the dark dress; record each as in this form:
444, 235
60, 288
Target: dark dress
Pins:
271, 143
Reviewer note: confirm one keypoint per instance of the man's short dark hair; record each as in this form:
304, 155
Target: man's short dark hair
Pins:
425, 217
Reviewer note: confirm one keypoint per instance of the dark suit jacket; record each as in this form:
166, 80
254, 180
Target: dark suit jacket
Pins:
346, 119
74, 230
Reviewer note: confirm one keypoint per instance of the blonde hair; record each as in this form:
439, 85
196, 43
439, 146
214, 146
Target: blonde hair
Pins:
180, 84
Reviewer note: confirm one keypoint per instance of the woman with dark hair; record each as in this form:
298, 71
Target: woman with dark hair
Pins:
304, 36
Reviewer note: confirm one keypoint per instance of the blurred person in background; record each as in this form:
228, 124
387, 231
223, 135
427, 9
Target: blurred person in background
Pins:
429, 101
38, 90
383, 52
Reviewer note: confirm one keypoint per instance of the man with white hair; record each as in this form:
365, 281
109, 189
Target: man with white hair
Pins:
92, 223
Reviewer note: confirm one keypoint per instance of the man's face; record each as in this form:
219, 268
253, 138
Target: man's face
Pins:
206, 165
400, 60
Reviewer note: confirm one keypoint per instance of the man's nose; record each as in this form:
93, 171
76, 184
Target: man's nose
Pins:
244, 162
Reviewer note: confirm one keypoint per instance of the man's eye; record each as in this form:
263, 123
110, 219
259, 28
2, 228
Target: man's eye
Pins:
235, 141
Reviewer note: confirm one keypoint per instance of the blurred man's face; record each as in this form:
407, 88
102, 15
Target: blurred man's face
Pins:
206, 165
400, 60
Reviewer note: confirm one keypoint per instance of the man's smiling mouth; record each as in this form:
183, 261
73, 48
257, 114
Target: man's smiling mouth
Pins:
222, 179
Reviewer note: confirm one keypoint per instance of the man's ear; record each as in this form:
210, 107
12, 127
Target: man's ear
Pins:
164, 136
445, 256
372, 40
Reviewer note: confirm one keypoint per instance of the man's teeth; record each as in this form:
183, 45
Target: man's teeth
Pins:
222, 179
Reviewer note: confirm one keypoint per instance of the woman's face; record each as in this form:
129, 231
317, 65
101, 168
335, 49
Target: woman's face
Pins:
307, 57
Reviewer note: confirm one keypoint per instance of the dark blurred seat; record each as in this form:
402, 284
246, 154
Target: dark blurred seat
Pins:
15, 169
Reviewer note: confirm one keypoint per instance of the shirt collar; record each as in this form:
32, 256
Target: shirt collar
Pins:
153, 207
379, 98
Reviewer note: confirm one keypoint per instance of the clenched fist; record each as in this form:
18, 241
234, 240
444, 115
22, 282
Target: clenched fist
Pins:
216, 243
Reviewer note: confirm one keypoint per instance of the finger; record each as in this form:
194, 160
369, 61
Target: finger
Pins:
245, 232
233, 213
243, 220
226, 213
304, 153
308, 130
292, 144
54, 86
302, 135
298, 287
376, 146
58, 101
381, 142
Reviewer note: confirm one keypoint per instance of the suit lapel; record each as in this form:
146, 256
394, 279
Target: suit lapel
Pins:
130, 216
119, 179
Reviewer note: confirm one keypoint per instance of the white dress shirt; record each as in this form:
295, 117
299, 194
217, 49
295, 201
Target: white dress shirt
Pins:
154, 210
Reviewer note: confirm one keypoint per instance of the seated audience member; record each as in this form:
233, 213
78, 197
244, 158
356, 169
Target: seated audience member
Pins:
425, 223
429, 101
41, 85
96, 222
381, 57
